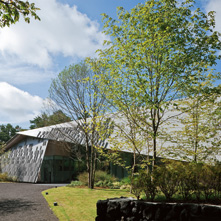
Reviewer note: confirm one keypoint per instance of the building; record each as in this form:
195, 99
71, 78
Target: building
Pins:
44, 154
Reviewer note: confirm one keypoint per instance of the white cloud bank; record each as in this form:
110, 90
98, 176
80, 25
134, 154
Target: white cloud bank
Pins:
62, 31
215, 5
17, 106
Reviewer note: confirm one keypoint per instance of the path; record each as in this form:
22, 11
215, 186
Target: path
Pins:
24, 202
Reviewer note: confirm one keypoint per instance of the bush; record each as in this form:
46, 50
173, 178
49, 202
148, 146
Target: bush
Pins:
103, 176
185, 174
148, 184
166, 177
83, 178
137, 186
217, 184
75, 183
5, 178
125, 181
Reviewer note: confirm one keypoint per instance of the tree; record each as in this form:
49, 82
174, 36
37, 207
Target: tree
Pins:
47, 120
7, 132
158, 52
11, 10
75, 91
198, 136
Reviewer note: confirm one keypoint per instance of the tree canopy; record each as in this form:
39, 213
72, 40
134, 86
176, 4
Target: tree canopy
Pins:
159, 52
11, 10
75, 91
7, 132
47, 120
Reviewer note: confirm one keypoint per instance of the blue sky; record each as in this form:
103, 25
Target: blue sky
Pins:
32, 54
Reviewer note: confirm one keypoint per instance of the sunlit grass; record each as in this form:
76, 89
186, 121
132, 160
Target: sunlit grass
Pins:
78, 203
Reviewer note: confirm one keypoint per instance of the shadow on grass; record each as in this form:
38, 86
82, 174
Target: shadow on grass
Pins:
13, 206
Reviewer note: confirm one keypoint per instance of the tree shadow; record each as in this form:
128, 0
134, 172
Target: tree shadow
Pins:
14, 205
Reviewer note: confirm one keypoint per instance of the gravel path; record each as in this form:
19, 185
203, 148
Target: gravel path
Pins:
24, 202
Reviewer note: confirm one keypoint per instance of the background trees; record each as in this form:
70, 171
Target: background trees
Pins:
49, 119
159, 51
75, 91
7, 132
11, 10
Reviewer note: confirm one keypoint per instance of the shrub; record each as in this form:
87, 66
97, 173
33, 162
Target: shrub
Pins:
99, 176
75, 183
148, 184
5, 178
102, 175
125, 181
207, 180
217, 184
104, 183
166, 177
83, 178
137, 187
184, 176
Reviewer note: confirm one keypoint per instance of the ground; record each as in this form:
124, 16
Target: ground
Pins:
24, 202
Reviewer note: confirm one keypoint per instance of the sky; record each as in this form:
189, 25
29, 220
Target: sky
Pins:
31, 55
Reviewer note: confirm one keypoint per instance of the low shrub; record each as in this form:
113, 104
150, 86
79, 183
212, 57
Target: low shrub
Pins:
75, 183
182, 181
83, 178
5, 178
166, 177
102, 179
104, 183
102, 175
148, 184
125, 181
137, 187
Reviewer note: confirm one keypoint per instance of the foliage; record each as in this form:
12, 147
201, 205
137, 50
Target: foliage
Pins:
7, 132
137, 186
103, 175
47, 120
167, 180
102, 179
10, 11
104, 183
196, 134
78, 203
75, 91
125, 181
75, 183
149, 185
83, 178
5, 178
185, 181
159, 52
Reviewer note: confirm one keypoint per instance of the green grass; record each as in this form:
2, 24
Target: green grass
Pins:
78, 203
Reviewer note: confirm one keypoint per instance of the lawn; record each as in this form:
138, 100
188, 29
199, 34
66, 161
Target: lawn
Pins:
78, 203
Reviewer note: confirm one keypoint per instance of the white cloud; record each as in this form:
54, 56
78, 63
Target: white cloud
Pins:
19, 74
17, 106
62, 31
215, 5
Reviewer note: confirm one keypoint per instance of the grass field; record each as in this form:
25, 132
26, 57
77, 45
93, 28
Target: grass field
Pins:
77, 204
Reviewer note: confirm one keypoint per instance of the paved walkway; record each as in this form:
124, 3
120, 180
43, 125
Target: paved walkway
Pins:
24, 202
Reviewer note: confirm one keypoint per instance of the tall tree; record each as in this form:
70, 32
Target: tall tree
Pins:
158, 51
75, 91
11, 10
